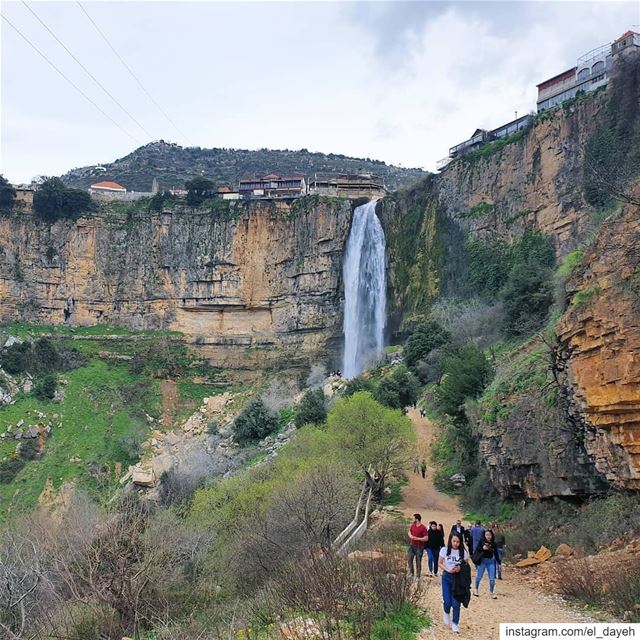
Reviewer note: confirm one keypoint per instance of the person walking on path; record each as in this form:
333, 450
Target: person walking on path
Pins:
418, 536
485, 556
476, 534
416, 465
423, 469
458, 528
451, 559
433, 546
500, 541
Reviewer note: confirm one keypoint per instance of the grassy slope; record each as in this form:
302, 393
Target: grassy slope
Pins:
102, 415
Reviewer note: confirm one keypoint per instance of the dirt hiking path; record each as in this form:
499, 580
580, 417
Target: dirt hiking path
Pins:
517, 601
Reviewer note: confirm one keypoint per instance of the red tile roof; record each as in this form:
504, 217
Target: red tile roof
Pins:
108, 185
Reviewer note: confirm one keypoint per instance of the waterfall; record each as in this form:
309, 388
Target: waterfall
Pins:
365, 289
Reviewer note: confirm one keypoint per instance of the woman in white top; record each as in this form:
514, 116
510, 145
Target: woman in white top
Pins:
450, 560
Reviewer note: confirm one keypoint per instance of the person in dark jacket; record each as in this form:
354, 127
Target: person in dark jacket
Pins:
459, 529
433, 546
487, 554
451, 561
500, 541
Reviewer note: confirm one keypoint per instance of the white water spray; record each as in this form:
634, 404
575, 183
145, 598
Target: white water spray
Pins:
365, 289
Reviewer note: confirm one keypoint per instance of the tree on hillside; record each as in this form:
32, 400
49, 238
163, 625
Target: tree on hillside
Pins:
198, 190
466, 373
255, 422
426, 337
7, 194
312, 409
376, 438
398, 390
54, 201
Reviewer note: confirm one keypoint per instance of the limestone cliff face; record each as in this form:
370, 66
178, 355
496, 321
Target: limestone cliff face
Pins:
533, 182
253, 285
601, 332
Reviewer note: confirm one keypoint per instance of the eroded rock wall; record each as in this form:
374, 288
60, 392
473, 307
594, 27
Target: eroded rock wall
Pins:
253, 285
601, 331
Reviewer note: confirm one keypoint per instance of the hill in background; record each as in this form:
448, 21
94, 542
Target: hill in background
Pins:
172, 165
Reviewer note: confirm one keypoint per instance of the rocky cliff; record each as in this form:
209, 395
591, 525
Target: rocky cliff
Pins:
572, 426
253, 285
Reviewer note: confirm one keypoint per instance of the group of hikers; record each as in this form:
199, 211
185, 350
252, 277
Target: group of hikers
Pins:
484, 547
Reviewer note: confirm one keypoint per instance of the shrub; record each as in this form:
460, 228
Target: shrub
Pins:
131, 443
426, 337
43, 356
161, 358
526, 297
312, 409
489, 262
7, 194
617, 589
54, 201
16, 358
466, 373
255, 422
398, 390
198, 190
358, 384
45, 387
9, 469
29, 449
157, 202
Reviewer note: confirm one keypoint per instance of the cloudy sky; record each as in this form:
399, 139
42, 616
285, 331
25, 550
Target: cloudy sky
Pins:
396, 81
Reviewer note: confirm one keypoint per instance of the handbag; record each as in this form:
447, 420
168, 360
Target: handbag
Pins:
477, 555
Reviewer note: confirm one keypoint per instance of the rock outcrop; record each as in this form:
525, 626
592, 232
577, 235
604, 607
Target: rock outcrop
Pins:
601, 331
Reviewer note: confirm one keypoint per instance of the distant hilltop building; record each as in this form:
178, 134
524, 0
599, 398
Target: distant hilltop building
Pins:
592, 71
363, 185
107, 191
106, 187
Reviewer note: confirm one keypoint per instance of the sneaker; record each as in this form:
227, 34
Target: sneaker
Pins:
475, 593
455, 628
417, 579
499, 577
494, 596
446, 618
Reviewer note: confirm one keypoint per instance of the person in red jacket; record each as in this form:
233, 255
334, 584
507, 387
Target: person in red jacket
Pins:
418, 536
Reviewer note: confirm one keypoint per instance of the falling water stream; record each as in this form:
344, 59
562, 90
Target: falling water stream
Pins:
365, 291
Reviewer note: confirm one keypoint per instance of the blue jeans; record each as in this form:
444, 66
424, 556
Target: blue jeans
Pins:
432, 555
448, 601
414, 552
499, 564
488, 565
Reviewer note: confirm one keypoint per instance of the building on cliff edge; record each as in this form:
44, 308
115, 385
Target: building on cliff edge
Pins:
348, 185
273, 186
592, 71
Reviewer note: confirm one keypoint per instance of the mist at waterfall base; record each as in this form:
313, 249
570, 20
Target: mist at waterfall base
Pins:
365, 289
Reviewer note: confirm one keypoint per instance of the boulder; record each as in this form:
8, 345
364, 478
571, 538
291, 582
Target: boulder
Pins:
457, 479
143, 477
564, 550
527, 562
543, 554
162, 464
